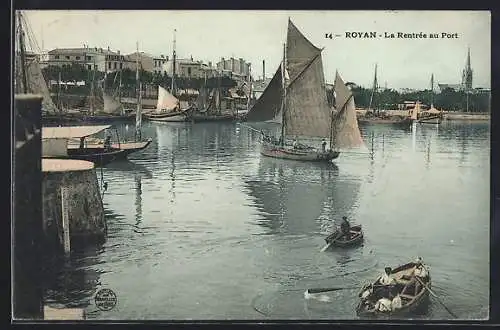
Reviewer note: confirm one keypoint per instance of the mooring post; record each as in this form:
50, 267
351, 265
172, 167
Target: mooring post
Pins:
65, 220
27, 207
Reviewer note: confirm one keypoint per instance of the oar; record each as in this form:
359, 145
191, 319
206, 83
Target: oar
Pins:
320, 290
435, 296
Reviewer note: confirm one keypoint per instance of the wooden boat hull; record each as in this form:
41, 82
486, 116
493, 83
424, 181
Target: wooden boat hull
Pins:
98, 156
355, 239
109, 118
199, 117
436, 120
309, 155
126, 147
131, 147
366, 121
418, 302
167, 117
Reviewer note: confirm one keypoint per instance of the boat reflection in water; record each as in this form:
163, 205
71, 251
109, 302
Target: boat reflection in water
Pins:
298, 198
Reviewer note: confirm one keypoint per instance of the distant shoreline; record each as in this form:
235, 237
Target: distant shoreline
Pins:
448, 115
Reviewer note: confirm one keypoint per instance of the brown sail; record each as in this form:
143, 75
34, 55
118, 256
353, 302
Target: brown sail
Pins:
306, 110
345, 130
268, 105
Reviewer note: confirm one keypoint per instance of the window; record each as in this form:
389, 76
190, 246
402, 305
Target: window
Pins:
77, 57
89, 66
88, 58
189, 71
56, 57
67, 57
109, 65
121, 65
95, 66
114, 65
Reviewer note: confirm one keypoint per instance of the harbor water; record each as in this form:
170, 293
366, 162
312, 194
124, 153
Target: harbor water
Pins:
202, 227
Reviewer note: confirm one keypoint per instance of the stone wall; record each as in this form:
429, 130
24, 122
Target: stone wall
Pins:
85, 208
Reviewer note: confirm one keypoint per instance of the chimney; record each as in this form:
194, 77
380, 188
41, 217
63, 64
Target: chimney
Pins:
108, 48
264, 70
223, 63
167, 58
209, 64
242, 66
191, 57
232, 64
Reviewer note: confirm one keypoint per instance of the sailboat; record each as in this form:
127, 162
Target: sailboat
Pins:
112, 108
128, 147
296, 98
209, 105
168, 107
28, 76
433, 115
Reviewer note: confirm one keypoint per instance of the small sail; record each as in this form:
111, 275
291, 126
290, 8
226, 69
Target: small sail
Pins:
111, 104
345, 129
268, 104
166, 101
306, 111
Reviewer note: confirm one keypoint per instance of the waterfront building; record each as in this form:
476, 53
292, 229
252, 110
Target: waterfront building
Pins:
238, 69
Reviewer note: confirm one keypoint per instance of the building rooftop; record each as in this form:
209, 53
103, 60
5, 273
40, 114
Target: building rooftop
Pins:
82, 50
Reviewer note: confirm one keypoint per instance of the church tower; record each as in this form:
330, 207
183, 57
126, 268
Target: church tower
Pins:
467, 74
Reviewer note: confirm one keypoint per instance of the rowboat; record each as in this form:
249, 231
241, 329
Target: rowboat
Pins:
406, 286
355, 238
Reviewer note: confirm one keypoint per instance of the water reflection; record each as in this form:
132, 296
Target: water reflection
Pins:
72, 282
138, 199
299, 197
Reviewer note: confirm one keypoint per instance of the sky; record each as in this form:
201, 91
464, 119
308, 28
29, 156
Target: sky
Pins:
260, 35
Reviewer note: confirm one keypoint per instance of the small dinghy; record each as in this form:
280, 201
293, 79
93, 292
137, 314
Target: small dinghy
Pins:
413, 292
354, 238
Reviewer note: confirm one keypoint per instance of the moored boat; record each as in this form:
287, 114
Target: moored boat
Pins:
55, 144
413, 291
355, 237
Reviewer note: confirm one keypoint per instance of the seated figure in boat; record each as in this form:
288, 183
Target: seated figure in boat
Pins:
420, 270
396, 302
323, 146
383, 305
295, 143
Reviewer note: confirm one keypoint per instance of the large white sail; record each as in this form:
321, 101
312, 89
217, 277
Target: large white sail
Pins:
166, 101
111, 104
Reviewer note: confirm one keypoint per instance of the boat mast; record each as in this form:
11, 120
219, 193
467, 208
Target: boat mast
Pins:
92, 91
249, 87
172, 89
432, 90
59, 91
283, 103
24, 76
138, 115
374, 88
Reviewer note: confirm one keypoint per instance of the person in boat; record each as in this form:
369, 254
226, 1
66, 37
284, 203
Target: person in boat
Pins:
295, 143
82, 143
345, 228
323, 145
396, 302
107, 141
383, 305
387, 279
420, 270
